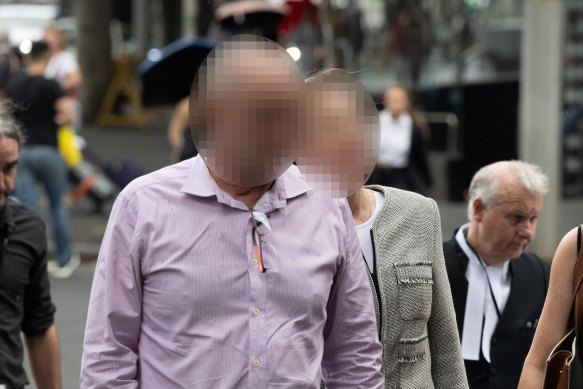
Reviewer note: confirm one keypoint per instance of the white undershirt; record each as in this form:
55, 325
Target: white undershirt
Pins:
395, 139
481, 318
363, 231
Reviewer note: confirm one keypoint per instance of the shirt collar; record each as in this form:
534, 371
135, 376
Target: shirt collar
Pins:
289, 185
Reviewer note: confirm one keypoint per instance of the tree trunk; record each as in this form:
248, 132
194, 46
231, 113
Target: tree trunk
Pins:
94, 46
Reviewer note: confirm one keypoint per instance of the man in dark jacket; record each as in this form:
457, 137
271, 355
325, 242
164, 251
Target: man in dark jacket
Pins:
498, 290
25, 300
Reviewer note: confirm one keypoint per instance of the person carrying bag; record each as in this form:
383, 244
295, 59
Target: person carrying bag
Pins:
564, 369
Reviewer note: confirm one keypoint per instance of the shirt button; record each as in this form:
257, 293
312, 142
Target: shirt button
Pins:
255, 363
254, 261
256, 311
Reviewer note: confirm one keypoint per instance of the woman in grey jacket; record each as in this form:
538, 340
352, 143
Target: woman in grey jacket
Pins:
399, 233
400, 237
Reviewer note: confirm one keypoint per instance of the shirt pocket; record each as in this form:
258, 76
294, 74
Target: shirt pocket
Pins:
414, 366
415, 289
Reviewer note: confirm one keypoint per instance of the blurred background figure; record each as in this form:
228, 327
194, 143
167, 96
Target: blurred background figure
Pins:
307, 37
402, 161
63, 68
9, 62
409, 41
349, 34
257, 17
42, 106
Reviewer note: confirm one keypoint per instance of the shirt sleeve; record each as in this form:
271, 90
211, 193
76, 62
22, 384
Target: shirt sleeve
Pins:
39, 309
447, 365
352, 352
110, 348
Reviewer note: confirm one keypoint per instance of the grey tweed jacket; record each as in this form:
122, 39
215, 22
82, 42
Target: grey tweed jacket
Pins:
415, 314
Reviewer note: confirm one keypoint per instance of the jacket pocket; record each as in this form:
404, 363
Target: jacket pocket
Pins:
414, 364
415, 284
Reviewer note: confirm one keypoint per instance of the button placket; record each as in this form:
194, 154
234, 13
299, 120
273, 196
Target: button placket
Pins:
257, 320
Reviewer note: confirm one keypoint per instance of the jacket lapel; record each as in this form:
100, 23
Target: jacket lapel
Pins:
456, 264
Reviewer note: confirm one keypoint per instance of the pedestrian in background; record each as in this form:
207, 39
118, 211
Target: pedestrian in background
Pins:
9, 62
402, 161
42, 106
25, 299
64, 68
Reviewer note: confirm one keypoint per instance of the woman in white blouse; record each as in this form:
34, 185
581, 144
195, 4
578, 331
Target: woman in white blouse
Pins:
402, 161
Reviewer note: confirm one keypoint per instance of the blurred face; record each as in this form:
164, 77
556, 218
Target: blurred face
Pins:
342, 136
52, 39
253, 104
396, 101
507, 228
8, 163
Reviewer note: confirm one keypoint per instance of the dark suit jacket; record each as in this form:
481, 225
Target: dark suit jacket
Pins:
515, 330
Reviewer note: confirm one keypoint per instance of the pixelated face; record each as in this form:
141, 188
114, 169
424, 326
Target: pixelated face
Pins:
9, 153
247, 107
396, 100
508, 227
342, 134
51, 37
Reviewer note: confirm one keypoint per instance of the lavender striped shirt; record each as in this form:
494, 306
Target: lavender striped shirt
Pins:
178, 300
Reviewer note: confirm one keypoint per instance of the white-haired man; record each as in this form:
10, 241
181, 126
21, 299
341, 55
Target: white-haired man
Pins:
498, 289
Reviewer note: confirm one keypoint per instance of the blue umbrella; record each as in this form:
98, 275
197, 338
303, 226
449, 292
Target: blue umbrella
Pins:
167, 73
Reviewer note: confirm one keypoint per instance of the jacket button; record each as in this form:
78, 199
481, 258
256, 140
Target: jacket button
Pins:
492, 370
494, 340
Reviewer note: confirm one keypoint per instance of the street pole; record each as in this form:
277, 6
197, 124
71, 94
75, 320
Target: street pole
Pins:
140, 16
539, 136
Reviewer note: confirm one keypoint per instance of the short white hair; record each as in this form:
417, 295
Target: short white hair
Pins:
484, 184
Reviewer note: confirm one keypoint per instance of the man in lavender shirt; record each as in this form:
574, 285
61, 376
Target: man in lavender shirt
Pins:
227, 270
